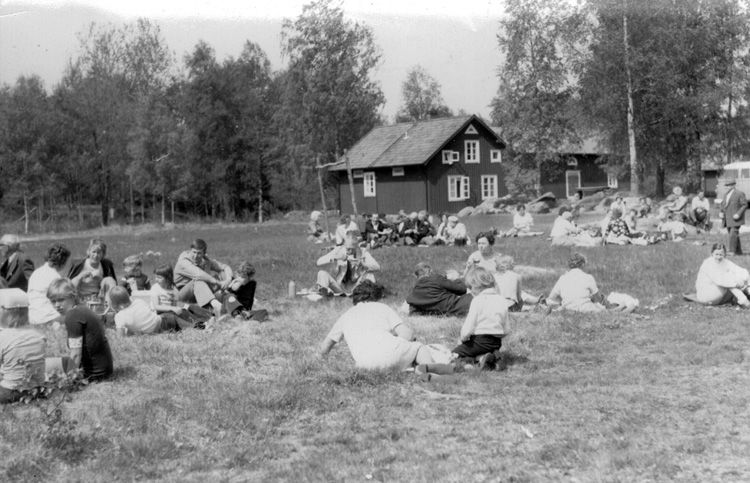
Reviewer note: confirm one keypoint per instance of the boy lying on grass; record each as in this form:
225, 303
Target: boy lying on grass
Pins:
137, 317
376, 336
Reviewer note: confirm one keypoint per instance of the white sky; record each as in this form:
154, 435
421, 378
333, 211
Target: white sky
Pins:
454, 41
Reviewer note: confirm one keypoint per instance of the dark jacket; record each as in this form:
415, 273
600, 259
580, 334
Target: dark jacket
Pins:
17, 272
436, 295
108, 268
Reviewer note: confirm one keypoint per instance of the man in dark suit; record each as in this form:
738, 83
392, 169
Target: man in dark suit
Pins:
436, 295
732, 212
16, 268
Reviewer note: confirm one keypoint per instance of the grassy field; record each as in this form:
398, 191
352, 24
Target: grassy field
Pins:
662, 395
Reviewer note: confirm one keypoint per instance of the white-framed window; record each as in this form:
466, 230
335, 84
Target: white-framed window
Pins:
397, 172
357, 173
572, 162
450, 157
458, 188
471, 130
471, 151
489, 186
612, 180
496, 156
369, 184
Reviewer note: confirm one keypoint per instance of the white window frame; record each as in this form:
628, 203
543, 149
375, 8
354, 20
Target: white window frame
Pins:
458, 188
573, 162
496, 156
450, 157
612, 180
474, 157
357, 173
471, 130
397, 172
369, 184
492, 178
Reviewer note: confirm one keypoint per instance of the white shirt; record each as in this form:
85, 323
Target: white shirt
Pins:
41, 309
562, 227
139, 318
725, 274
698, 203
368, 329
574, 289
524, 222
488, 315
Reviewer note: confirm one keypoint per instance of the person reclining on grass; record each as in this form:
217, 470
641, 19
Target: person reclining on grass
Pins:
200, 279
137, 317
376, 336
353, 266
434, 294
87, 341
720, 281
164, 299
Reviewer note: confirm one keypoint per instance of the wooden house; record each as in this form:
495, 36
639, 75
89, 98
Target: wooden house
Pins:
440, 165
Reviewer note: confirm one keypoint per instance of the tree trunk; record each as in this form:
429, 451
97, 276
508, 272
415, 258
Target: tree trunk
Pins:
319, 169
163, 213
660, 176
351, 183
132, 207
260, 190
143, 207
634, 171
172, 211
25, 214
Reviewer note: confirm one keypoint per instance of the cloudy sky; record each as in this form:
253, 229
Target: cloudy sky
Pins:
455, 41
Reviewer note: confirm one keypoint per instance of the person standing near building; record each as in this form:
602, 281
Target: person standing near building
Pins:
732, 213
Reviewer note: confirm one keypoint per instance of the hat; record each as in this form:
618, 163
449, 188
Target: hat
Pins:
453, 218
730, 182
13, 298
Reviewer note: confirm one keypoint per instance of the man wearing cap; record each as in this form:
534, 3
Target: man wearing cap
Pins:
455, 232
732, 213
16, 267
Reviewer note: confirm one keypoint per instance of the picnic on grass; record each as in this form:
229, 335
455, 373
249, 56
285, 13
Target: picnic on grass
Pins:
86, 298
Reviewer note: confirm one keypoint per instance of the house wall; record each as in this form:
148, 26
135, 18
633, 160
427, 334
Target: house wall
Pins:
592, 176
392, 193
437, 174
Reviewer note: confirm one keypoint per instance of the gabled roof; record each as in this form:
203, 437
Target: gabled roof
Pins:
407, 143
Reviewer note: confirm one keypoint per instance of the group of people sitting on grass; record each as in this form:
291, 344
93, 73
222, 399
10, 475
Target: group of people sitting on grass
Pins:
417, 228
86, 296
485, 295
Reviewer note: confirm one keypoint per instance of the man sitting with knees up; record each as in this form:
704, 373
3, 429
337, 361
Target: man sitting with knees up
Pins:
353, 265
200, 279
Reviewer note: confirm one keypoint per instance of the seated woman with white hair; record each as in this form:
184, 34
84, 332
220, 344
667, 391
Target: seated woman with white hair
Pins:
565, 233
314, 232
453, 233
720, 281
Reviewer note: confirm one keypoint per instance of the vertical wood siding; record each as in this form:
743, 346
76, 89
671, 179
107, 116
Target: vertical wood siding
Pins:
406, 192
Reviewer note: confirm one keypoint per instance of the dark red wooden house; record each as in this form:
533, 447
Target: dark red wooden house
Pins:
440, 165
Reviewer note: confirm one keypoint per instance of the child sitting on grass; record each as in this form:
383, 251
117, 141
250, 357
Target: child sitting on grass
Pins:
136, 317
240, 294
134, 279
486, 324
164, 299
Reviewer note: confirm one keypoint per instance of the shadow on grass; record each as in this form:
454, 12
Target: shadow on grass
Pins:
358, 378
507, 359
124, 373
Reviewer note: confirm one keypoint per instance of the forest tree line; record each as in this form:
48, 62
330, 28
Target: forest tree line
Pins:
131, 126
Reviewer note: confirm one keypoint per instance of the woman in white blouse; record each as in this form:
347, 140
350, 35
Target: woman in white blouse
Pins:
721, 281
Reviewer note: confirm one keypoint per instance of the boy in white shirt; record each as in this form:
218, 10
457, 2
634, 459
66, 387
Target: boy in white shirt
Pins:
137, 317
